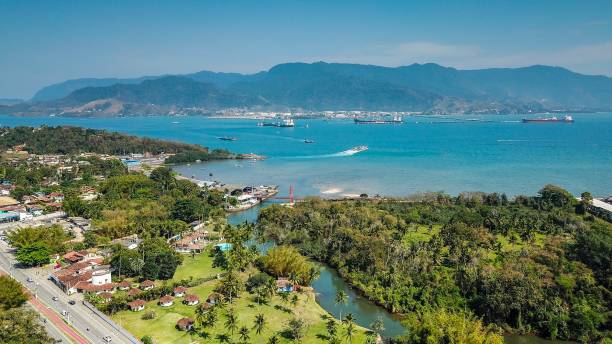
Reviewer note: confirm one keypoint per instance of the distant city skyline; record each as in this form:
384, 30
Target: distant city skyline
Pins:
48, 42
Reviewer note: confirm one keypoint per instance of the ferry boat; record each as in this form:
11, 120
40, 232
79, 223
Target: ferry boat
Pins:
228, 138
356, 150
566, 119
394, 120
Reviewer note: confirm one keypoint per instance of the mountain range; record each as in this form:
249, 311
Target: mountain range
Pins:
330, 86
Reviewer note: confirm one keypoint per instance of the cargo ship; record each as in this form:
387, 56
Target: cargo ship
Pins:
286, 123
394, 120
566, 119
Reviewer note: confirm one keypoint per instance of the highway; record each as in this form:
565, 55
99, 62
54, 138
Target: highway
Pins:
88, 324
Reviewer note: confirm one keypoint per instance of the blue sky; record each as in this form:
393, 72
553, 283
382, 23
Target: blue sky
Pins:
43, 42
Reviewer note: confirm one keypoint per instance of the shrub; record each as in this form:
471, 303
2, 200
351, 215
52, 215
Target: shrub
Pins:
149, 315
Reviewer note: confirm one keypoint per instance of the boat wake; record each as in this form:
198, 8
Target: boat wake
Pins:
344, 153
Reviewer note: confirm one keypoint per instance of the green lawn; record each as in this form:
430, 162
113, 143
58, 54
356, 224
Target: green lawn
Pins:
162, 328
199, 266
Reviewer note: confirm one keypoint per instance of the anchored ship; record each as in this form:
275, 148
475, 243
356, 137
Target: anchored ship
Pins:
394, 120
566, 119
285, 123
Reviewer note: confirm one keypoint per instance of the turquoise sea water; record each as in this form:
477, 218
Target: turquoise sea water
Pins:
434, 153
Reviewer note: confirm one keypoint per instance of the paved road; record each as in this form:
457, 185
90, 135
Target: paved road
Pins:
58, 322
88, 324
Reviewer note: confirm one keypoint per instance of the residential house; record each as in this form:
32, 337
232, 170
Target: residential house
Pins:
124, 285
180, 291
137, 305
185, 324
214, 298
284, 285
147, 285
191, 300
166, 301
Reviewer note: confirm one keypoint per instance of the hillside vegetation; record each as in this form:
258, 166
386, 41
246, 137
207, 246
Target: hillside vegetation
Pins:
74, 140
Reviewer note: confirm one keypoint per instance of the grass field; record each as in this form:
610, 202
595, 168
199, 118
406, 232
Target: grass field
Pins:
162, 328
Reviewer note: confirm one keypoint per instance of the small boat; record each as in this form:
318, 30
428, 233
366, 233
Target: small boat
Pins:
566, 119
228, 138
309, 141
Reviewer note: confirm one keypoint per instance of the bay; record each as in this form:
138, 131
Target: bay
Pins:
434, 153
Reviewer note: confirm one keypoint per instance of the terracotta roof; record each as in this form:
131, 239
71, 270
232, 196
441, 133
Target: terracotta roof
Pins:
73, 279
180, 289
214, 296
206, 305
147, 283
282, 283
192, 298
133, 292
166, 299
183, 323
125, 284
95, 288
106, 295
136, 303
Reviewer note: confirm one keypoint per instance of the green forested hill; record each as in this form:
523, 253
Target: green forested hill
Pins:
529, 265
72, 140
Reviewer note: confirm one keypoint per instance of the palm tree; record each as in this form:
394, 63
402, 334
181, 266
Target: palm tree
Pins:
260, 323
284, 297
273, 340
231, 322
223, 338
211, 317
200, 314
244, 334
349, 321
371, 339
378, 326
341, 298
332, 329
294, 300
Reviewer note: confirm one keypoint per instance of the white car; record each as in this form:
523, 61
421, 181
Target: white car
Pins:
107, 339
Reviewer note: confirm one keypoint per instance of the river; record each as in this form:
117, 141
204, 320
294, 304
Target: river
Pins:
365, 312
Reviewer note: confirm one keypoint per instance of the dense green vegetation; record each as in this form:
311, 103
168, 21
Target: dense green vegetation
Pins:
195, 155
17, 323
154, 259
35, 244
528, 265
75, 140
11, 293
